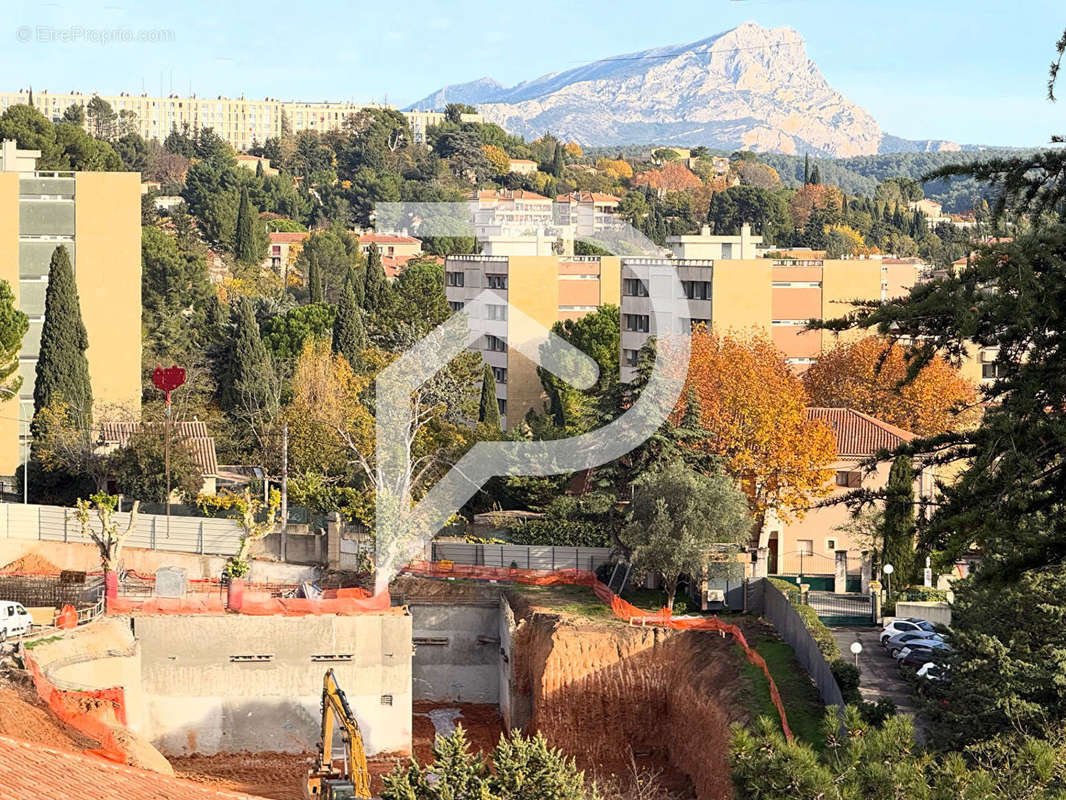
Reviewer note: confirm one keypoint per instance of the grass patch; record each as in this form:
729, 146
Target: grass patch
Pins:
802, 705
35, 642
579, 601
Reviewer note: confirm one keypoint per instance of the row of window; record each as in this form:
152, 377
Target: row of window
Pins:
640, 323
459, 279
694, 290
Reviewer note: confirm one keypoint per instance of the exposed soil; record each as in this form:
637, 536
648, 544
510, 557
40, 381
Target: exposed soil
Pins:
23, 716
279, 776
31, 564
409, 588
482, 724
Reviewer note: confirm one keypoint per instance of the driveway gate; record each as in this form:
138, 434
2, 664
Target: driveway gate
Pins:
842, 610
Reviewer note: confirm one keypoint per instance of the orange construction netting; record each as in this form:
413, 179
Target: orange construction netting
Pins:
96, 713
344, 602
622, 609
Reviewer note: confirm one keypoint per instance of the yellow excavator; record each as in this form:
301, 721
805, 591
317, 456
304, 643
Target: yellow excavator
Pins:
353, 781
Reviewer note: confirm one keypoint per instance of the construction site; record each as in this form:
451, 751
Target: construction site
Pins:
177, 677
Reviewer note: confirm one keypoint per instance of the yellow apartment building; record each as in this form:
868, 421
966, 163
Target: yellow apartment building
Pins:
97, 217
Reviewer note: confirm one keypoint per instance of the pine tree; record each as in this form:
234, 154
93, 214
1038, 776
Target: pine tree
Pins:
374, 293
349, 335
898, 523
250, 374
13, 327
314, 282
244, 241
62, 368
489, 410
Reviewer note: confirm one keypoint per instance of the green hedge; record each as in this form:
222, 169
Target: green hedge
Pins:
924, 594
789, 590
561, 533
847, 678
822, 636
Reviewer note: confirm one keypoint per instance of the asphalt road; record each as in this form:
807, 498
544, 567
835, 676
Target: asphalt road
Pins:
880, 678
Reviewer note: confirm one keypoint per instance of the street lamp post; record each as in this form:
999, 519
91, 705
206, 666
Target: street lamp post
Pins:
888, 569
856, 648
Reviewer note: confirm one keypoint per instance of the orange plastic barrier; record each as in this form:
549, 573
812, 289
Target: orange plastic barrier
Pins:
259, 604
621, 608
94, 713
67, 619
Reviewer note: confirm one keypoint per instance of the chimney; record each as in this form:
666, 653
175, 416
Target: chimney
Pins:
705, 231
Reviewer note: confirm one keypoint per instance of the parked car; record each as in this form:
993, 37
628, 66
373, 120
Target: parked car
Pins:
918, 655
901, 640
908, 625
934, 672
14, 619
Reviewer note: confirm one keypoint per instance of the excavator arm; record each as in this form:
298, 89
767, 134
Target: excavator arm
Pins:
326, 783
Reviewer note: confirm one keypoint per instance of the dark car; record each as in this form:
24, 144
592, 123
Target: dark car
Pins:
917, 656
901, 640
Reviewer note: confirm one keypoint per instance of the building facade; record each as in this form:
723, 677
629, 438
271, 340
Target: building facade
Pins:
96, 216
239, 121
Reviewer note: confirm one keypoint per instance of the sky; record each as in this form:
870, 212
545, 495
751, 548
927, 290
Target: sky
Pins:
970, 71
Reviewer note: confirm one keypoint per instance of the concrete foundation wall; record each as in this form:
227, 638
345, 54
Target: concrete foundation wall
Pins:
458, 657
232, 684
936, 612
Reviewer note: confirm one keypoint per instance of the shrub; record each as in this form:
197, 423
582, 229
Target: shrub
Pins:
789, 590
822, 636
924, 594
847, 678
878, 713
561, 533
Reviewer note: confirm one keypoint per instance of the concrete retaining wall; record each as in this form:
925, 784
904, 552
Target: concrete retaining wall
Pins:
939, 613
231, 684
457, 652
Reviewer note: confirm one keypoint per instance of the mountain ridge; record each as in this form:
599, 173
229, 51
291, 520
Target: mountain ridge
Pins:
745, 88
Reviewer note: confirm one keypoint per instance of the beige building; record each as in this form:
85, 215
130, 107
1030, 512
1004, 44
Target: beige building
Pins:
523, 166
586, 213
546, 289
97, 217
706, 245
811, 545
241, 122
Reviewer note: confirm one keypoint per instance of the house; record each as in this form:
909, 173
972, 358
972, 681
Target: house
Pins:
282, 250
193, 434
931, 208
812, 545
253, 162
396, 249
523, 166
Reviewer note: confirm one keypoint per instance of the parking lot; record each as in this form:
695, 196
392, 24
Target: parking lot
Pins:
880, 677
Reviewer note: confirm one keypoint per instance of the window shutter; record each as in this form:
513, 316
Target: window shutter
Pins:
854, 479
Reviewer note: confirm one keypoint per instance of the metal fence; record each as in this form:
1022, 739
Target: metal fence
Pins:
202, 535
522, 556
790, 626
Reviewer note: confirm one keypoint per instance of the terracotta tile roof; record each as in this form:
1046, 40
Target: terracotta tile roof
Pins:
588, 197
394, 265
386, 238
281, 237
193, 433
859, 435
522, 161
28, 769
508, 194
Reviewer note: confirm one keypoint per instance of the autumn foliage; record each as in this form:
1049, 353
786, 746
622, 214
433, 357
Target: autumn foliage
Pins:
754, 409
813, 196
869, 376
670, 177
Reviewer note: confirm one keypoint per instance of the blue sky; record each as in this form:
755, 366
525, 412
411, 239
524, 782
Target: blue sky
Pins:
971, 71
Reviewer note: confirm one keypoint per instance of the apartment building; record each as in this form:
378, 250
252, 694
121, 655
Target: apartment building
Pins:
586, 213
241, 122
511, 212
97, 217
546, 289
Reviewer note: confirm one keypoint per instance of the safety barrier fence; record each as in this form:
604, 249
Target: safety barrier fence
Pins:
621, 608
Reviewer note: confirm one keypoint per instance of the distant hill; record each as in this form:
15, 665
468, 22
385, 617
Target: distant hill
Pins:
747, 88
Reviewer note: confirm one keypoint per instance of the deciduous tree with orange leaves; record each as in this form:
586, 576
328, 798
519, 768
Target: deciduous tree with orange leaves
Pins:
870, 376
754, 408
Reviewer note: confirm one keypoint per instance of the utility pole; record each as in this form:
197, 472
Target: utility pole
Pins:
284, 486
166, 381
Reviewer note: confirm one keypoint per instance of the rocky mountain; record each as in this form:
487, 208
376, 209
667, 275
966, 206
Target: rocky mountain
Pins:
750, 87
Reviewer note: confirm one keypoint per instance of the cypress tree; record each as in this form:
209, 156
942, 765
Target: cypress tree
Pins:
62, 368
259, 169
489, 410
244, 244
557, 161
375, 287
816, 175
349, 335
806, 168
249, 371
898, 524
314, 282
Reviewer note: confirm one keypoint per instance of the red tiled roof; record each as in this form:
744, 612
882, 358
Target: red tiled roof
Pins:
193, 433
508, 194
859, 435
522, 161
588, 197
28, 769
280, 237
386, 238
905, 261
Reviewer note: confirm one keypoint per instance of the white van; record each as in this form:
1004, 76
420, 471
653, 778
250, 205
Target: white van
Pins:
14, 619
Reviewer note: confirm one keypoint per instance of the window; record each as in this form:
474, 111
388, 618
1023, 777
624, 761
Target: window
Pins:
697, 290
630, 357
634, 287
502, 405
805, 547
497, 281
456, 305
500, 373
276, 249
392, 250
496, 312
831, 545
989, 372
695, 321
636, 322
275, 262
495, 343
454, 279
852, 479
